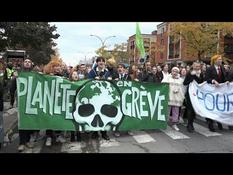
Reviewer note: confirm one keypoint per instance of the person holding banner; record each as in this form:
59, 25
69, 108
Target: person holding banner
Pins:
230, 75
77, 74
165, 71
122, 75
216, 74
133, 72
147, 75
158, 77
55, 68
111, 66
176, 96
194, 74
24, 135
230, 78
100, 72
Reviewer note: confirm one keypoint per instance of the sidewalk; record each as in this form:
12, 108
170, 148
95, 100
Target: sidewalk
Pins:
10, 118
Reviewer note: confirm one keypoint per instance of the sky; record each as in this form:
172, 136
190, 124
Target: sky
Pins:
75, 42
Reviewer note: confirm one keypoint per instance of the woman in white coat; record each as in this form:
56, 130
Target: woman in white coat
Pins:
176, 96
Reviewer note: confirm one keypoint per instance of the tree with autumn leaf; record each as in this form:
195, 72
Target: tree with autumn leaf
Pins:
119, 53
202, 39
102, 51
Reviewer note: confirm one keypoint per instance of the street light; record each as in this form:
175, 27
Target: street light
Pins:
103, 41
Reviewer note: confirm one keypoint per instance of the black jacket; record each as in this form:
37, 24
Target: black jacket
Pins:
188, 79
147, 77
211, 74
113, 73
230, 76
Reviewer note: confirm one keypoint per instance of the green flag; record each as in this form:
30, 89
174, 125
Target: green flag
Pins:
139, 41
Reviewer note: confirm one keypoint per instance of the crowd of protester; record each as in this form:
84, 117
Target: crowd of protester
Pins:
179, 76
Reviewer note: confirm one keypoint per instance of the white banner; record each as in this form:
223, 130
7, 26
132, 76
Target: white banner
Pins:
213, 102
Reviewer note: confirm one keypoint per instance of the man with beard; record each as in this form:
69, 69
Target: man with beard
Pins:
193, 74
147, 75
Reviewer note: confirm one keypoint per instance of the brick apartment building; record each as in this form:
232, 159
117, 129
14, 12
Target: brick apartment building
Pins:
165, 50
169, 51
149, 45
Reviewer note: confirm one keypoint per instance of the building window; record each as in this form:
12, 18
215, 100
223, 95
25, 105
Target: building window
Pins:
171, 51
177, 49
132, 45
161, 42
174, 48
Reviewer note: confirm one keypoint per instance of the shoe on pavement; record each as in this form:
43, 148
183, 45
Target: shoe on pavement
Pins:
130, 133
175, 127
33, 138
117, 134
21, 148
29, 145
220, 126
211, 127
181, 120
190, 129
48, 141
60, 139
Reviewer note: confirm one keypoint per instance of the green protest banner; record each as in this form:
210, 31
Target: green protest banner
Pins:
52, 102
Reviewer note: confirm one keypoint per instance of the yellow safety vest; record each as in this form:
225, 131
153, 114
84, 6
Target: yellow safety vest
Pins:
9, 72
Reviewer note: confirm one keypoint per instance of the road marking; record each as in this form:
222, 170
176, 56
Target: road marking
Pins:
204, 131
174, 134
142, 137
